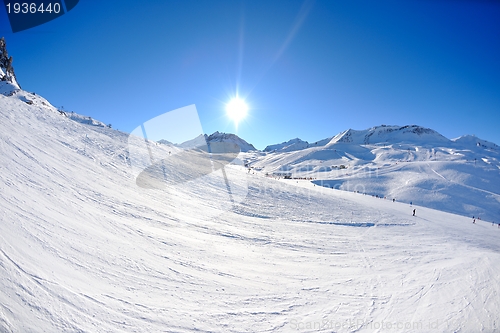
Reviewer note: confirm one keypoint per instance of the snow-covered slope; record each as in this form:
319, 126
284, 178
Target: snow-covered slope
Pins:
390, 134
409, 163
84, 249
84, 119
472, 141
9, 90
6, 88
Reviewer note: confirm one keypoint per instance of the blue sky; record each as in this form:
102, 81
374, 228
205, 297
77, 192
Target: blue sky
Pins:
306, 69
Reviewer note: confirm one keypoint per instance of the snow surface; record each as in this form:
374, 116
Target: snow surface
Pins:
409, 164
7, 87
84, 249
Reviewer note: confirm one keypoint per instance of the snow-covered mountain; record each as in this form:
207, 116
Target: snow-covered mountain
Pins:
203, 140
390, 134
230, 138
472, 141
295, 144
290, 145
408, 163
375, 135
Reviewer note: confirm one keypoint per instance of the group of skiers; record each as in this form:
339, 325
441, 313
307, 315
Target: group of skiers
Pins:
474, 221
473, 218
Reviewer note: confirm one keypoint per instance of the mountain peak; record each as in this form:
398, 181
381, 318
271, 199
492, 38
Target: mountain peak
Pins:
7, 76
389, 134
229, 137
290, 145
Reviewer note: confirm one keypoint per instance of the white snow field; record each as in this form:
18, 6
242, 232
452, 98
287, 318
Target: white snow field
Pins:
84, 249
408, 163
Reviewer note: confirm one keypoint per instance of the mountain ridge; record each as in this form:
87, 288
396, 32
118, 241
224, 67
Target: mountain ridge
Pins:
444, 174
383, 134
408, 163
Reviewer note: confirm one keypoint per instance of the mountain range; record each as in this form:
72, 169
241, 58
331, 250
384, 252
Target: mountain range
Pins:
407, 163
385, 134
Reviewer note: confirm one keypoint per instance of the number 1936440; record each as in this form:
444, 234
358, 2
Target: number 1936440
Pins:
33, 8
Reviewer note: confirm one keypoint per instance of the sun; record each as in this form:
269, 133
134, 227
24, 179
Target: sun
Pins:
236, 109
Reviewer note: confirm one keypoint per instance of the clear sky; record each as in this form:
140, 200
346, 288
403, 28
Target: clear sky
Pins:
306, 69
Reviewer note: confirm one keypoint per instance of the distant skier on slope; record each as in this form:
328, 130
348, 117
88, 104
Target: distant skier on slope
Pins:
414, 212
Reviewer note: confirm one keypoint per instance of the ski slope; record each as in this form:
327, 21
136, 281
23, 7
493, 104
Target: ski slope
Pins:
409, 163
84, 249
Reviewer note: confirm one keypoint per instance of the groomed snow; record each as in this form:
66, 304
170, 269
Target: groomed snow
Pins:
84, 249
409, 163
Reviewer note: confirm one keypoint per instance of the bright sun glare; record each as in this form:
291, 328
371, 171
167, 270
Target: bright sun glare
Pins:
236, 109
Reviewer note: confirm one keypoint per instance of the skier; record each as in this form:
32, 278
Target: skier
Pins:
393, 200
474, 221
410, 203
414, 212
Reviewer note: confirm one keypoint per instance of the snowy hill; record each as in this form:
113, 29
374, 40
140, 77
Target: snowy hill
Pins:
84, 249
83, 119
408, 163
472, 142
390, 134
